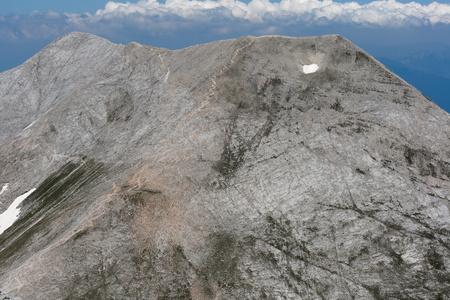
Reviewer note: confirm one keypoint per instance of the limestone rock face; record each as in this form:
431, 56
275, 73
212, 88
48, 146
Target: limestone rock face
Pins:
256, 168
3, 296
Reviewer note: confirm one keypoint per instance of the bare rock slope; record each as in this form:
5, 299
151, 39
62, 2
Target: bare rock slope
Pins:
256, 168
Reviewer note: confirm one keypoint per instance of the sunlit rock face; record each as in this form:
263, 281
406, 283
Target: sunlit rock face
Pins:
256, 168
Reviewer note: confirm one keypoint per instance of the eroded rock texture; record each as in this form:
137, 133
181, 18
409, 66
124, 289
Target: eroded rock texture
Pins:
222, 171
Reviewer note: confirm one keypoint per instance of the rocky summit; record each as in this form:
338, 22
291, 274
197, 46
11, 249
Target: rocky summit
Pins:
256, 168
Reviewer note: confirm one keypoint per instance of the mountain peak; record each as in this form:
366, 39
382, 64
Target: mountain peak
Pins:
260, 167
77, 36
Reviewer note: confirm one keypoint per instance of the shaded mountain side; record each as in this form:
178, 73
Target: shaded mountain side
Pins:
222, 171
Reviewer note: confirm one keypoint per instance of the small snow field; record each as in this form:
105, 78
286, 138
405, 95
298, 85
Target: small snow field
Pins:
9, 216
307, 69
31, 124
4, 188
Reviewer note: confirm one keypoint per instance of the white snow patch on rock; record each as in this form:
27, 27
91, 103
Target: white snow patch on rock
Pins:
4, 188
29, 125
9, 216
307, 69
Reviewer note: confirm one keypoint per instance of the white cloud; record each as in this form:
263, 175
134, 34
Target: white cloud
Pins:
185, 22
383, 13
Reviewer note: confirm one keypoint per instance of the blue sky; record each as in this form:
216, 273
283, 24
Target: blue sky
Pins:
411, 38
27, 6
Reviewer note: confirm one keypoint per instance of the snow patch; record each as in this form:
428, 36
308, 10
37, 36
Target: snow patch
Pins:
307, 69
9, 216
4, 188
29, 125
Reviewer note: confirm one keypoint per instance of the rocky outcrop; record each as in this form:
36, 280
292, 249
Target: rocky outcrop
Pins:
256, 168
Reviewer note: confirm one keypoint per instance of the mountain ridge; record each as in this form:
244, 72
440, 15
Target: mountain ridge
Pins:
221, 170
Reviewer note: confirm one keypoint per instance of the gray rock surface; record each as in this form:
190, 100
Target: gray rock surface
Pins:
221, 171
3, 296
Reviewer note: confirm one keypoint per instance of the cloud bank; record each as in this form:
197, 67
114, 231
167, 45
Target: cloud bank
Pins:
223, 16
383, 13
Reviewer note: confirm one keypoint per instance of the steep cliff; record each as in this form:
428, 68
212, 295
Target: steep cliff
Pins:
256, 168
